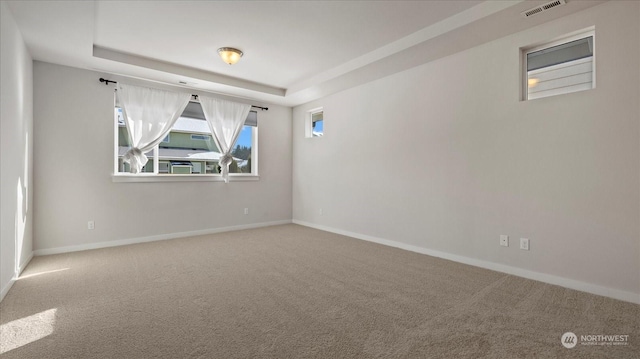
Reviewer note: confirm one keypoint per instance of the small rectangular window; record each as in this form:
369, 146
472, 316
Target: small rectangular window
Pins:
314, 126
560, 67
201, 137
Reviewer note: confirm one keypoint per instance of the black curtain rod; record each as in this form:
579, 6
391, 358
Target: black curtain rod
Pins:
106, 82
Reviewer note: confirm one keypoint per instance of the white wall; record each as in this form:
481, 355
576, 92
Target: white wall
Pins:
16, 123
444, 158
73, 126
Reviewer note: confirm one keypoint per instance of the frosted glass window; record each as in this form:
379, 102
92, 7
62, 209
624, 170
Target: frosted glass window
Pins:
561, 68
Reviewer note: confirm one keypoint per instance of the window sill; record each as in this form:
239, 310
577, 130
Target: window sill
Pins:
180, 178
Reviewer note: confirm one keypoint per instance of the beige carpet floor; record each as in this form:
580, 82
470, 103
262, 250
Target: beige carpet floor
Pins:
294, 292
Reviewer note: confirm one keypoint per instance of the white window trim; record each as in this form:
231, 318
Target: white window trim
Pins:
308, 127
254, 144
524, 51
115, 138
149, 177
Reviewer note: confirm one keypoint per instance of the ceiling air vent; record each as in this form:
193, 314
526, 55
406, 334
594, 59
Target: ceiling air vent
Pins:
543, 7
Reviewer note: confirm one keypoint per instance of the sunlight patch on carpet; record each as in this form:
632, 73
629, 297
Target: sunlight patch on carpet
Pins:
41, 273
23, 331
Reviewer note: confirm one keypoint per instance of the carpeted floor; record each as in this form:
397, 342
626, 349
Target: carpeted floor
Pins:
294, 292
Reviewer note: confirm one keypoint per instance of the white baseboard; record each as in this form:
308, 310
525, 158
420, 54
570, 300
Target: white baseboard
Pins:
541, 277
160, 237
6, 288
23, 265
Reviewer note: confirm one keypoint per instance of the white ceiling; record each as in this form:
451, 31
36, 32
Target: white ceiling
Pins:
295, 51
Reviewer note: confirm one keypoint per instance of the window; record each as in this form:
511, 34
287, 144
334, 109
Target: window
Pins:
559, 67
189, 148
200, 137
314, 126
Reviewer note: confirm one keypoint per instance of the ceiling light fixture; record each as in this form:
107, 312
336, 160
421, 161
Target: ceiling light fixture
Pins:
230, 55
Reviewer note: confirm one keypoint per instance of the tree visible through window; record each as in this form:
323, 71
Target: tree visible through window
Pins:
243, 150
189, 147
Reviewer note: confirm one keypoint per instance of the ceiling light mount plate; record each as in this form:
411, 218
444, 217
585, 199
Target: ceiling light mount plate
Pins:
230, 55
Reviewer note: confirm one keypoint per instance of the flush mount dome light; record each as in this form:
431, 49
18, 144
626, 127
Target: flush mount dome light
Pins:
230, 55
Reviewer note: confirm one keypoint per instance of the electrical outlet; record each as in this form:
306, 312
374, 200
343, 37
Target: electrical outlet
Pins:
246, 211
504, 240
91, 225
321, 212
524, 244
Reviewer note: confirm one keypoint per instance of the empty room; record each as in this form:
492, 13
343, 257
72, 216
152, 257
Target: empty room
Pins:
170, 188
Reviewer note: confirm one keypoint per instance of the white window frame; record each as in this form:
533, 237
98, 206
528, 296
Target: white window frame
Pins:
524, 51
157, 177
308, 127
254, 144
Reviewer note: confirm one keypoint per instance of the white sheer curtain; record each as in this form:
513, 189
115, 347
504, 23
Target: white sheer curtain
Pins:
225, 119
149, 115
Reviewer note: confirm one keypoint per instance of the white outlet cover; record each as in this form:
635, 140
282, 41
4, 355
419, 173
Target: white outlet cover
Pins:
524, 244
504, 240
